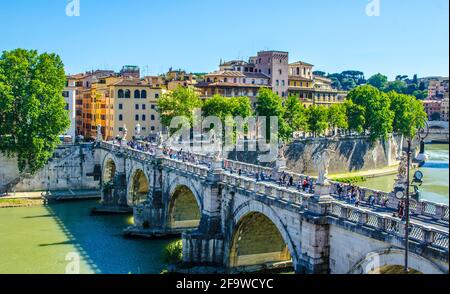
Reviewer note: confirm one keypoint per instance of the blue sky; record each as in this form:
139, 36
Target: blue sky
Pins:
409, 36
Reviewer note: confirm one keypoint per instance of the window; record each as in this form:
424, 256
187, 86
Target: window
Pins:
280, 72
136, 106
225, 80
67, 106
152, 117
127, 94
143, 107
278, 82
244, 81
253, 81
120, 117
156, 96
235, 80
120, 129
270, 71
120, 106
65, 94
152, 128
283, 83
143, 117
120, 94
144, 94
136, 117
137, 94
152, 106
103, 117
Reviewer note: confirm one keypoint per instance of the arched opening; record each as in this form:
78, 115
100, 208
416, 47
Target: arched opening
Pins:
120, 93
139, 188
109, 171
184, 211
257, 241
143, 94
137, 94
127, 93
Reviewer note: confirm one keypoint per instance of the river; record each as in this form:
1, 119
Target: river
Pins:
37, 240
435, 183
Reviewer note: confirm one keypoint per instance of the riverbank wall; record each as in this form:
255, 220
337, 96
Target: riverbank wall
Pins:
72, 167
351, 154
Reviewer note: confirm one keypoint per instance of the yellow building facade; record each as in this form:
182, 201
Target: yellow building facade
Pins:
134, 102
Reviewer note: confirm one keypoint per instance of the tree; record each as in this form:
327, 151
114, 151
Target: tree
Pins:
32, 108
337, 116
319, 73
376, 104
225, 108
317, 120
355, 116
420, 95
409, 113
398, 86
294, 115
180, 102
270, 104
379, 81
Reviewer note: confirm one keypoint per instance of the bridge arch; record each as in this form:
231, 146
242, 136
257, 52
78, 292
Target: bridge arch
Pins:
139, 187
184, 207
259, 237
109, 170
378, 261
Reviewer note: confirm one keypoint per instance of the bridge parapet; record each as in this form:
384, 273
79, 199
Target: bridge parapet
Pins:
423, 207
424, 235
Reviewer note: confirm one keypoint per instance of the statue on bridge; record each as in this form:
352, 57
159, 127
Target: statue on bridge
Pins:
322, 161
99, 133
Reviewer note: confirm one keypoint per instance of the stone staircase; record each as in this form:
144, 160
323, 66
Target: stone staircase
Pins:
4, 190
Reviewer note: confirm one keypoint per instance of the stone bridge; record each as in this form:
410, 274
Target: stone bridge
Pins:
234, 222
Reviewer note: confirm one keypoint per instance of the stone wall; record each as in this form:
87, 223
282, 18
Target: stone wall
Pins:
351, 154
352, 252
71, 167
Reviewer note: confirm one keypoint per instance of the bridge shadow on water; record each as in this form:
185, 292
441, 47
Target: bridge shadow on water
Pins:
100, 243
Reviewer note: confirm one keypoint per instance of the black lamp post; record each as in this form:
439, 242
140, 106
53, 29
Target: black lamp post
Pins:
422, 133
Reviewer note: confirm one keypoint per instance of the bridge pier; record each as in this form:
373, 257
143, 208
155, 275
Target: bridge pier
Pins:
114, 196
205, 246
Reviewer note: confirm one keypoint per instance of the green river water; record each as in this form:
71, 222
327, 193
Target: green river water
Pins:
435, 183
38, 239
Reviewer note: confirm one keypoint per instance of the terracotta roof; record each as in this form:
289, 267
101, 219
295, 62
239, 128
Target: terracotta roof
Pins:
132, 83
256, 75
226, 73
299, 78
300, 63
223, 84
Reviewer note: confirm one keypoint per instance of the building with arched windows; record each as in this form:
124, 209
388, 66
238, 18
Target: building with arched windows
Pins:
134, 102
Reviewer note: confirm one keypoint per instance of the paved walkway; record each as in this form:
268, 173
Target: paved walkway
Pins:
418, 219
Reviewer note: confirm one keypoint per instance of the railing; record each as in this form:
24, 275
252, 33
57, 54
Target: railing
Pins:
388, 200
266, 189
419, 233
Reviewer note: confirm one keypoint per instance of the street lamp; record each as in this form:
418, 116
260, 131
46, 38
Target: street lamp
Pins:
422, 133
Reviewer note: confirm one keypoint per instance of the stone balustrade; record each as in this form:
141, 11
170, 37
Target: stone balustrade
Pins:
419, 233
423, 207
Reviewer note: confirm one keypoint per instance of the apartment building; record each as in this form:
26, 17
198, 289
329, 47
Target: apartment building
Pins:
233, 79
275, 65
312, 89
134, 102
69, 95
